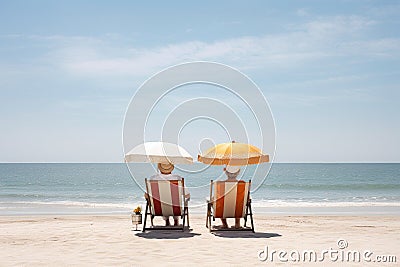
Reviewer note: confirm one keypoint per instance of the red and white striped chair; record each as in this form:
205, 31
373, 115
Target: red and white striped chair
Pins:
229, 199
166, 198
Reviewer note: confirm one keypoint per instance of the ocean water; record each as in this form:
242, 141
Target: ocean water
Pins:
58, 188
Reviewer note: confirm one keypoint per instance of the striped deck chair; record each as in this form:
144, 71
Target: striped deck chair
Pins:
165, 198
230, 199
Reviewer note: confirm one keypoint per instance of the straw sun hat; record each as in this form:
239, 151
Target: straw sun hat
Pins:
165, 167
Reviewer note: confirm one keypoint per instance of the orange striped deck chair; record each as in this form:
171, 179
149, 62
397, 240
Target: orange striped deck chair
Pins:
229, 199
165, 198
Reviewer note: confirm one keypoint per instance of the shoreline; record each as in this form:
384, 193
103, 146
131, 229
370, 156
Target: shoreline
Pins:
302, 208
125, 214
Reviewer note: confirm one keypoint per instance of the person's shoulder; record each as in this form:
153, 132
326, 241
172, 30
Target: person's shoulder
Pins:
176, 177
154, 177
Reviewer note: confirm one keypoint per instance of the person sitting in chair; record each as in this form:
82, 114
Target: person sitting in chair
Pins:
166, 174
232, 173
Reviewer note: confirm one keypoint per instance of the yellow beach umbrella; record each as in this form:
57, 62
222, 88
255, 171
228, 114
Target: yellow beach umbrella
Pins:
234, 154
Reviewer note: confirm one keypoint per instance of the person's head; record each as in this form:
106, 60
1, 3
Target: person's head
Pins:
232, 171
165, 168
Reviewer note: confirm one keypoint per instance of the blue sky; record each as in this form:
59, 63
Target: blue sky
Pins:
330, 71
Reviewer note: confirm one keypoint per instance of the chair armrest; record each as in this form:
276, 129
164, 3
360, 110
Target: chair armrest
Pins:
186, 200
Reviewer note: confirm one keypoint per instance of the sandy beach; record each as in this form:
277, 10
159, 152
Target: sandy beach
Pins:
110, 240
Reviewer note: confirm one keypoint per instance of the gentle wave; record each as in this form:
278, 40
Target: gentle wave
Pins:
324, 187
99, 195
266, 204
5, 205
262, 204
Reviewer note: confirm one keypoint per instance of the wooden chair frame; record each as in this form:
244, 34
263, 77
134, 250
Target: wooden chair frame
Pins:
210, 214
148, 211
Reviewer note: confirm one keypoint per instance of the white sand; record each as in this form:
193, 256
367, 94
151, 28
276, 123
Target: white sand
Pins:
109, 240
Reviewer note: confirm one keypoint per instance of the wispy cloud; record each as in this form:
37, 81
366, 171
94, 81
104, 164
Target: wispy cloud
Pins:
312, 40
333, 26
302, 12
316, 40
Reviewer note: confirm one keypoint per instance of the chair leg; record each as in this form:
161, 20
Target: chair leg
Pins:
183, 222
145, 217
144, 223
207, 215
187, 217
245, 215
251, 218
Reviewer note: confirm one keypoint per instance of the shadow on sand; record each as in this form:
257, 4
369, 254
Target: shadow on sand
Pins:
237, 234
165, 234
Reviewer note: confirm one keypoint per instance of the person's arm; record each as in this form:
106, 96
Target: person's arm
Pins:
187, 193
187, 196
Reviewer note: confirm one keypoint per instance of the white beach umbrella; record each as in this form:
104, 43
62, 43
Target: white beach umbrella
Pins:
159, 152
